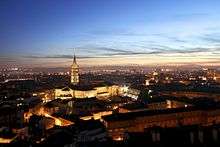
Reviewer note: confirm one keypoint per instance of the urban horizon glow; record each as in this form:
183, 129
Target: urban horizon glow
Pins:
117, 32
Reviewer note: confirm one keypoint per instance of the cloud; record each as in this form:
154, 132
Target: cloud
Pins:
187, 16
105, 52
55, 57
196, 14
114, 50
116, 32
212, 37
4, 59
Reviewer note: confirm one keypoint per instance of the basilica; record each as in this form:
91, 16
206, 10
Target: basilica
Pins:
75, 89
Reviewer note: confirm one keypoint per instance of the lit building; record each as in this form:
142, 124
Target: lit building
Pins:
84, 91
118, 124
132, 93
217, 77
74, 72
76, 90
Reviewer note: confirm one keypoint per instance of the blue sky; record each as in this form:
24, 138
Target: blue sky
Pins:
34, 32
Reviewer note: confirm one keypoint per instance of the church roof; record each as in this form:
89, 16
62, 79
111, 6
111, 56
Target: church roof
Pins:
81, 87
66, 89
84, 87
89, 86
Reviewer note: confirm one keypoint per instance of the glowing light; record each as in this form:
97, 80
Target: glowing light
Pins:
118, 139
204, 78
58, 122
34, 94
6, 140
115, 107
147, 82
96, 116
155, 73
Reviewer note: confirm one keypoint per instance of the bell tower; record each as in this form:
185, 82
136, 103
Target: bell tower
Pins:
74, 71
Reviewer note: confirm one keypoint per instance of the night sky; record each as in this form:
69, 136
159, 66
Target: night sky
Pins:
104, 32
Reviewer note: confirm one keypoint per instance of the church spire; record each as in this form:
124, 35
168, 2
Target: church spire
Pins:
74, 56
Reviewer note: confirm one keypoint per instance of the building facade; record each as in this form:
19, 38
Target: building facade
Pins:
100, 92
118, 124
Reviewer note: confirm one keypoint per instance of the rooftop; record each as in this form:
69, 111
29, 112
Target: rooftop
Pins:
133, 115
134, 106
85, 87
89, 125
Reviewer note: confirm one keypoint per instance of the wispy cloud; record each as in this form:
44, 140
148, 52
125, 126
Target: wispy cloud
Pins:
56, 57
183, 16
4, 60
211, 37
115, 32
106, 52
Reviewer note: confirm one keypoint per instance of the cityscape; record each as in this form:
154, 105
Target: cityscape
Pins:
117, 73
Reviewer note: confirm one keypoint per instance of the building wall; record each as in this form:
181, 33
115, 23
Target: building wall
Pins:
116, 129
99, 92
97, 115
102, 89
167, 104
59, 93
131, 92
114, 90
107, 91
158, 105
84, 94
193, 95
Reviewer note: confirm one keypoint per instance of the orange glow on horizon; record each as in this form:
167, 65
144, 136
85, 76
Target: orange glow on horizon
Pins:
172, 59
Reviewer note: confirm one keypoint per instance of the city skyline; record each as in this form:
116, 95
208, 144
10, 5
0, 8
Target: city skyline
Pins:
41, 33
110, 73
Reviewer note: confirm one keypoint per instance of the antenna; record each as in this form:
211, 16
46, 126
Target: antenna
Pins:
74, 55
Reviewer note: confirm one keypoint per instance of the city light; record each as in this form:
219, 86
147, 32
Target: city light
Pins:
110, 73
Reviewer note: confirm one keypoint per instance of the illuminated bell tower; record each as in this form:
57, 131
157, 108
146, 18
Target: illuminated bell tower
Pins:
74, 72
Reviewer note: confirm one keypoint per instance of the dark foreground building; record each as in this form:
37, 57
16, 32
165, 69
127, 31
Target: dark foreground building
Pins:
120, 123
